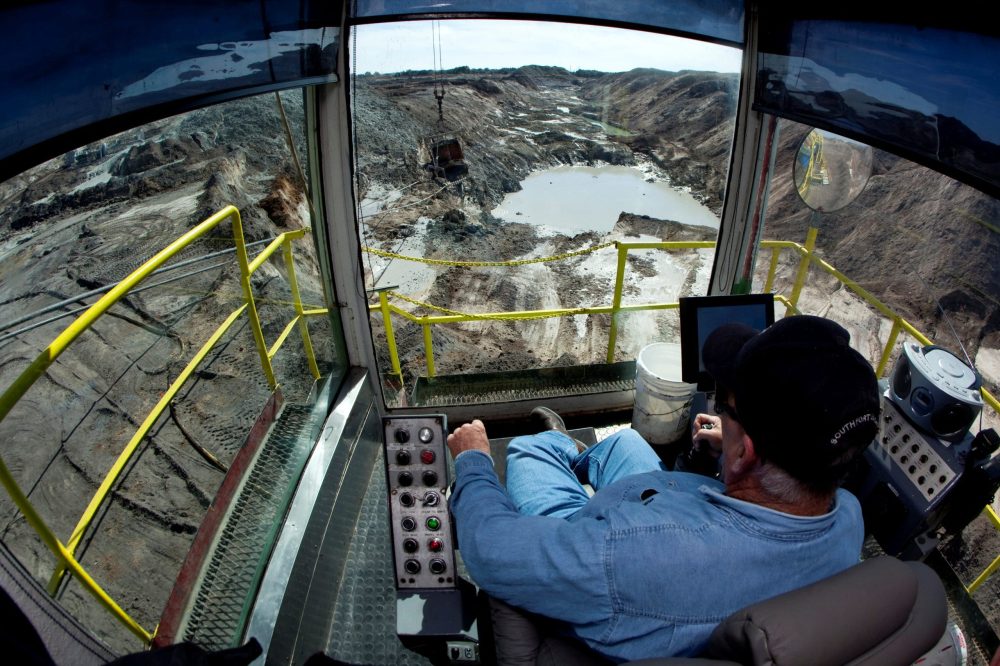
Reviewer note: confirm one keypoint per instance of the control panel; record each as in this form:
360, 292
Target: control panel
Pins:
907, 487
417, 478
914, 455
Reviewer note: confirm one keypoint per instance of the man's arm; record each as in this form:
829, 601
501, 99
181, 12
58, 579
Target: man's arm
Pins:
542, 564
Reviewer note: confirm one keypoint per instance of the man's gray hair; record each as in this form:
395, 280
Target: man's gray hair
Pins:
781, 485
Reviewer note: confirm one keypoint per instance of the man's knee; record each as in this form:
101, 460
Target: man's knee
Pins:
546, 444
625, 452
627, 439
520, 445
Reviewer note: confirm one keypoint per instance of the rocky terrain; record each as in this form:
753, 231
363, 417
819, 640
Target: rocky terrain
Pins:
512, 123
918, 241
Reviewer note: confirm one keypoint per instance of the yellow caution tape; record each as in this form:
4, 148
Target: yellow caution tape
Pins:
538, 314
517, 262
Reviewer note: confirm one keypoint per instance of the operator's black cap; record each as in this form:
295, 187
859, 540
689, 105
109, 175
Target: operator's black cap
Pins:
809, 402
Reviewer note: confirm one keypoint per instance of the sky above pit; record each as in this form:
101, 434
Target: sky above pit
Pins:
397, 47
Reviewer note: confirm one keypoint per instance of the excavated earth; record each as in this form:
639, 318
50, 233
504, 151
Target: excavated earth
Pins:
89, 218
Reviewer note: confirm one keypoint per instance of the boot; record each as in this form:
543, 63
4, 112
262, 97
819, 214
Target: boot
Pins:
552, 421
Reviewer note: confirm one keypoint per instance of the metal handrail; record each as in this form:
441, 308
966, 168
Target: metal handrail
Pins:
808, 258
65, 553
805, 251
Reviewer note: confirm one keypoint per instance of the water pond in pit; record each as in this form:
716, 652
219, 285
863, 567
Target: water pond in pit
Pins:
574, 199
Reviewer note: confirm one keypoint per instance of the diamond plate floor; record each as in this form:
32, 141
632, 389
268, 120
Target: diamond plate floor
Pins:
364, 621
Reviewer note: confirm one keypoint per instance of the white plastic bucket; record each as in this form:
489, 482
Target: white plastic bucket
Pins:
662, 401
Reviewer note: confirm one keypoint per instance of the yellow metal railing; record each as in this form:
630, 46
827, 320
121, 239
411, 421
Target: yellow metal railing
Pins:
65, 552
807, 259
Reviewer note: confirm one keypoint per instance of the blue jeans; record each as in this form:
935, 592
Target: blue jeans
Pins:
545, 473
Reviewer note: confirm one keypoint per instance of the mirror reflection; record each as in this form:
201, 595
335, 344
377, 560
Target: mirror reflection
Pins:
830, 170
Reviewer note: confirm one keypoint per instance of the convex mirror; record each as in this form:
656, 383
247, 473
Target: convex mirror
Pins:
830, 170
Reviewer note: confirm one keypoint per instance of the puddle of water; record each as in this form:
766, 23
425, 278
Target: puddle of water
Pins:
378, 198
573, 199
413, 279
613, 130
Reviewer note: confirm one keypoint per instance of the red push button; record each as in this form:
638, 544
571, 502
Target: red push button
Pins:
427, 456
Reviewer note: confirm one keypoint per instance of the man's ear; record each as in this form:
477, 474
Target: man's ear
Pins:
749, 448
745, 456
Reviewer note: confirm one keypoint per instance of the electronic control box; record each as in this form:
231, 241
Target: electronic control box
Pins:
416, 462
910, 476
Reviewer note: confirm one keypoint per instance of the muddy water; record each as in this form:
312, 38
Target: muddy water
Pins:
573, 199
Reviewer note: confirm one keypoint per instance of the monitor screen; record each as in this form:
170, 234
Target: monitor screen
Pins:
700, 315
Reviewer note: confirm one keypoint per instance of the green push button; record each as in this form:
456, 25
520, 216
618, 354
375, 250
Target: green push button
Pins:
433, 523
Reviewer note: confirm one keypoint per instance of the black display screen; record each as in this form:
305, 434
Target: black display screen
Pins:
700, 315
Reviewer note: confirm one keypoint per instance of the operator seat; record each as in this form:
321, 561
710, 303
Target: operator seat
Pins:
882, 611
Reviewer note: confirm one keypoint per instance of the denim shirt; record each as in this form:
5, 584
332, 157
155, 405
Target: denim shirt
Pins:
652, 563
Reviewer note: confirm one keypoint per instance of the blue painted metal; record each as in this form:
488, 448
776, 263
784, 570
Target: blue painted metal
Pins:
74, 71
715, 20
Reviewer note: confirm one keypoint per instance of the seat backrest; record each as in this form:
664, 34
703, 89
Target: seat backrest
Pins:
882, 611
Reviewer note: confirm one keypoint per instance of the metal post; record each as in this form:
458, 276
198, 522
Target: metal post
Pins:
297, 301
800, 277
617, 302
887, 351
772, 271
390, 335
428, 348
255, 328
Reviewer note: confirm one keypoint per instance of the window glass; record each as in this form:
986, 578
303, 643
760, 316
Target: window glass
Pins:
72, 228
916, 241
494, 141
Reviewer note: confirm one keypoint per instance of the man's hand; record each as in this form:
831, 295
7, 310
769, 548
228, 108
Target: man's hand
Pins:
707, 432
469, 437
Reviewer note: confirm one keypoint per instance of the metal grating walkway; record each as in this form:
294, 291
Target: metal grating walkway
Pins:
224, 595
498, 387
